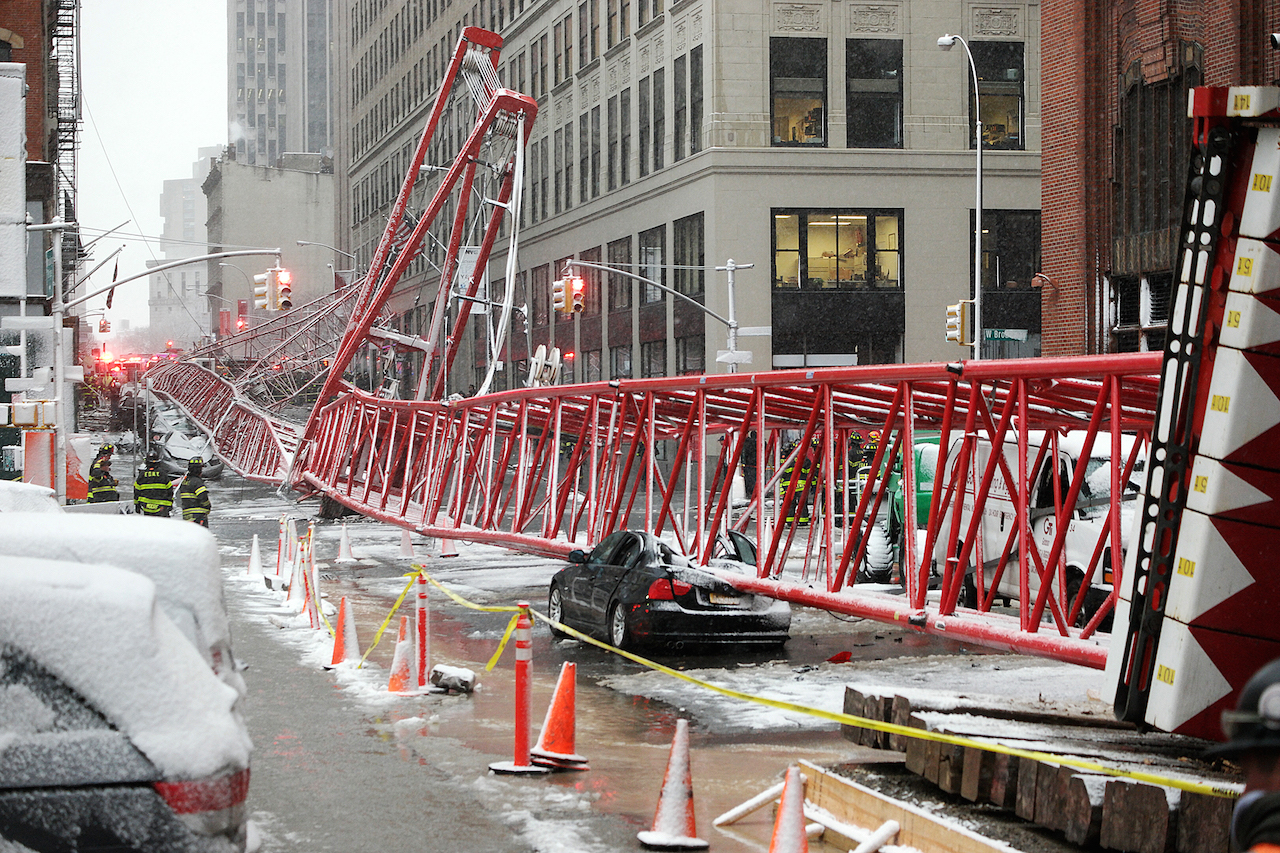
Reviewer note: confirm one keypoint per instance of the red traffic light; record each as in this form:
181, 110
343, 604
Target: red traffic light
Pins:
579, 287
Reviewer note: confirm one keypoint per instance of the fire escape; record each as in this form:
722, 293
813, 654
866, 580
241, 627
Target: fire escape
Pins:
65, 59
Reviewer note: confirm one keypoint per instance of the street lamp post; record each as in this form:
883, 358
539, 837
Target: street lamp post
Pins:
330, 248
946, 42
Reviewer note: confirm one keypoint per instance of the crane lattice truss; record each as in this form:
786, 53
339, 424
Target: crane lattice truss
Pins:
550, 469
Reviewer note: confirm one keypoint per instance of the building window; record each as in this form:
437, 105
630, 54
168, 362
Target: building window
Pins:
595, 151
624, 19
584, 153
798, 90
659, 117
691, 356
624, 144
563, 63
680, 106
591, 366
559, 142
568, 166
540, 295
620, 285
688, 277
588, 32
874, 81
611, 23
1010, 301
645, 128
620, 362
999, 66
591, 302
652, 267
695, 100
612, 161
846, 250
653, 358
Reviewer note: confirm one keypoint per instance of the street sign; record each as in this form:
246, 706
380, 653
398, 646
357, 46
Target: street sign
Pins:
755, 331
1004, 334
742, 356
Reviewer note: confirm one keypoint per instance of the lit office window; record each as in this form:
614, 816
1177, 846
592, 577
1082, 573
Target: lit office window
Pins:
798, 91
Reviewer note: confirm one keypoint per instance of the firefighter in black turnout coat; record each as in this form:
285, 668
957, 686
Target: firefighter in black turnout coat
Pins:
195, 494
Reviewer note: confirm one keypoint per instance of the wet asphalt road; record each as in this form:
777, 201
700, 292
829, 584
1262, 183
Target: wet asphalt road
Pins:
339, 767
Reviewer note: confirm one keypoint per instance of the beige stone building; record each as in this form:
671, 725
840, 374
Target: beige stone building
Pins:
827, 143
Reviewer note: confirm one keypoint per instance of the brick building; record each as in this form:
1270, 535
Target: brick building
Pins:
1114, 79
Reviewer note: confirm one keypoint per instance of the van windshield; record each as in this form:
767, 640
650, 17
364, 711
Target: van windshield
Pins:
1097, 481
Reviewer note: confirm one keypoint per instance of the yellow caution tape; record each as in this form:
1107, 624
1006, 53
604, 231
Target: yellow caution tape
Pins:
413, 576
502, 644
834, 716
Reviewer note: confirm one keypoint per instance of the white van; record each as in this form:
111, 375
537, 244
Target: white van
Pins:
1088, 520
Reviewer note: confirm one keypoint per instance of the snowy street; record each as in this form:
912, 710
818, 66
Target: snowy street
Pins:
340, 764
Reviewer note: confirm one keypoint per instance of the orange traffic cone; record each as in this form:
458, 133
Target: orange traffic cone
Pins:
555, 743
401, 666
448, 548
673, 823
789, 835
345, 645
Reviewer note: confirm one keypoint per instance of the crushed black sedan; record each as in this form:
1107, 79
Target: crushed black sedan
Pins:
632, 589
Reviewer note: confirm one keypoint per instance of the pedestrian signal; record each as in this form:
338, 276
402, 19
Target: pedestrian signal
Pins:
958, 323
262, 290
558, 295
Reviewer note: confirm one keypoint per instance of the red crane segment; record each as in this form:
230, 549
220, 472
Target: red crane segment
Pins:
549, 469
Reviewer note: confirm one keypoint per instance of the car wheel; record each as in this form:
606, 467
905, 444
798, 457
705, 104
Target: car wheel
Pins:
1093, 600
555, 610
619, 631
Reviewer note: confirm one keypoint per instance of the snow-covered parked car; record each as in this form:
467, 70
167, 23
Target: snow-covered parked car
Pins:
120, 726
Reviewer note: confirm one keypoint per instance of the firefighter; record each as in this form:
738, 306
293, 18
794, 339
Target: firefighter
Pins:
152, 491
102, 486
1253, 733
104, 455
195, 494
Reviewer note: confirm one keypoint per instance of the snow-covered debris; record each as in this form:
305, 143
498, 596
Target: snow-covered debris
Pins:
99, 629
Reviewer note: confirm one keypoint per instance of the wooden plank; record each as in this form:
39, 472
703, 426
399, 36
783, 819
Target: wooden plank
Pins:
950, 767
1004, 781
1025, 804
1051, 789
854, 704
858, 805
900, 715
979, 767
874, 710
1137, 818
917, 750
1204, 823
1082, 809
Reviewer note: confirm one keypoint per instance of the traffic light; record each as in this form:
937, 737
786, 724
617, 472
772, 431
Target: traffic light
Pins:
579, 285
558, 302
958, 323
284, 289
262, 290
104, 326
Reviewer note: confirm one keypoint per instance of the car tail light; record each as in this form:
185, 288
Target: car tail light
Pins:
665, 589
210, 806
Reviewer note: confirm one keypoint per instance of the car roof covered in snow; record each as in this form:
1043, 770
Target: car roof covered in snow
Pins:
98, 629
181, 558
26, 497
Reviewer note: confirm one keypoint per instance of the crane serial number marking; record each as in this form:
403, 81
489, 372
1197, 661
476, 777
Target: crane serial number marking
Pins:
1165, 674
1187, 568
1244, 266
1220, 403
1233, 319
1201, 484
1262, 183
